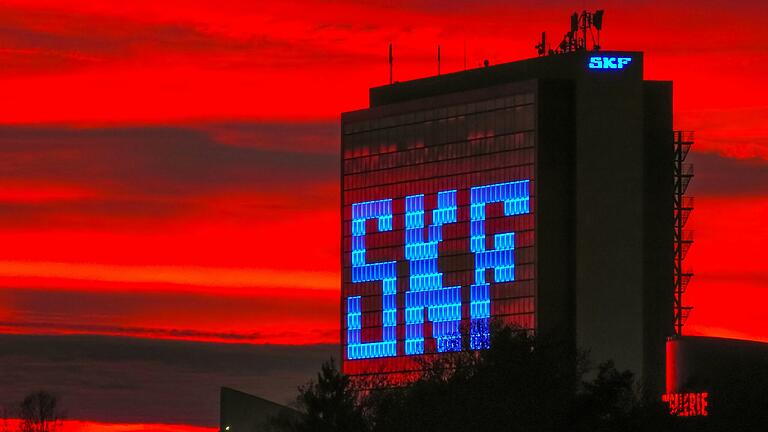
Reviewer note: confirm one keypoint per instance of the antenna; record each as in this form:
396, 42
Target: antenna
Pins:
576, 38
574, 22
597, 22
390, 62
465, 53
541, 47
438, 59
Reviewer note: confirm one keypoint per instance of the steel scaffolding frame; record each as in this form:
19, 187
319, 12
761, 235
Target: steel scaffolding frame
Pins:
683, 238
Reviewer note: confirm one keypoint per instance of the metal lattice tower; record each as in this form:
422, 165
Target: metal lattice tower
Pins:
683, 140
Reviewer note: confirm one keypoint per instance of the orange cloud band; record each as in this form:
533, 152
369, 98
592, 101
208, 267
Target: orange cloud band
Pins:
197, 276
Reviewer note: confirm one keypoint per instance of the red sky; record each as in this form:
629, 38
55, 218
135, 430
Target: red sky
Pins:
86, 426
169, 169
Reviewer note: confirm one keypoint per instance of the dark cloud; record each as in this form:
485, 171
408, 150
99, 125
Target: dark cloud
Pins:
94, 213
159, 172
56, 41
170, 160
313, 137
141, 380
253, 316
160, 333
48, 41
723, 176
44, 41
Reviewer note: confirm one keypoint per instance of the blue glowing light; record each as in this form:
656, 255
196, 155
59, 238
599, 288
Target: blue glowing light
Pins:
443, 304
600, 62
516, 200
380, 210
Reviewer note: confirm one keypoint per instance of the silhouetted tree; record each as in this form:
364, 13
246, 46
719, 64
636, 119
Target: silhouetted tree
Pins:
611, 402
6, 413
520, 383
40, 412
329, 404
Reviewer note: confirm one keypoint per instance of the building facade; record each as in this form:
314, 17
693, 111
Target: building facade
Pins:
537, 192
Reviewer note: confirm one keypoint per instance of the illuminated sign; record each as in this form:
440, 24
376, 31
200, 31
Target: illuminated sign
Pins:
687, 404
426, 291
601, 62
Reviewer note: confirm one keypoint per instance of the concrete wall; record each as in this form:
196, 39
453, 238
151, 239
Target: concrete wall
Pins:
658, 245
609, 213
555, 215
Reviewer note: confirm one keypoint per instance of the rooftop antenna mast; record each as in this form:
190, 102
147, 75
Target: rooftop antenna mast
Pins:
577, 39
390, 62
465, 53
438, 60
541, 47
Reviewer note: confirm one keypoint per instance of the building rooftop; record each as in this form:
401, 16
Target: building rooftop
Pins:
559, 66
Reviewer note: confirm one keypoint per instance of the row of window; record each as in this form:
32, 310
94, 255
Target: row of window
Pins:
510, 158
421, 154
370, 322
435, 133
373, 372
372, 293
398, 201
494, 222
452, 252
394, 187
509, 101
495, 216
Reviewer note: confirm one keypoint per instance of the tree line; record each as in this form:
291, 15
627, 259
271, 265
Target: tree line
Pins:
520, 383
39, 411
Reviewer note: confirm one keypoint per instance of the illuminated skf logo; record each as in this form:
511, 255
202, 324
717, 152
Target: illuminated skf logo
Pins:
687, 404
443, 304
599, 62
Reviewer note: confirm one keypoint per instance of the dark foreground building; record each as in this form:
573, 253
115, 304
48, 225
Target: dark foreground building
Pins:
243, 412
538, 192
696, 364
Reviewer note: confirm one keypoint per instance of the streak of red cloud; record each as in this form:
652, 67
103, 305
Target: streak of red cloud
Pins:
194, 276
36, 194
262, 315
89, 426
730, 284
268, 244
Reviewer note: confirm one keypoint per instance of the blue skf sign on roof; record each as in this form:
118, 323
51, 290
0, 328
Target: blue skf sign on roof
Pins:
609, 62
